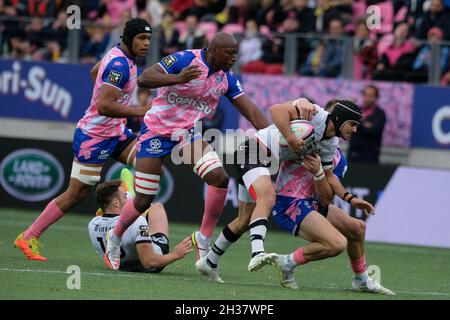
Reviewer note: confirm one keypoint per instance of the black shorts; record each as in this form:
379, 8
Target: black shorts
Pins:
249, 156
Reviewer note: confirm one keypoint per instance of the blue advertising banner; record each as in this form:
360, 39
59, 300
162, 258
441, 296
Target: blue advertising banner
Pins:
431, 117
44, 91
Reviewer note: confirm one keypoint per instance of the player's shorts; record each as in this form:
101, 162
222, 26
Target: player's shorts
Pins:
93, 150
160, 244
251, 161
289, 212
150, 145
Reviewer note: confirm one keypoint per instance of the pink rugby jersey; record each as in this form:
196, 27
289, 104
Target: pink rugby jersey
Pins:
180, 106
117, 70
295, 181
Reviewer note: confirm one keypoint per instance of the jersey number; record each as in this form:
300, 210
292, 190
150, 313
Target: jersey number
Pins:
100, 240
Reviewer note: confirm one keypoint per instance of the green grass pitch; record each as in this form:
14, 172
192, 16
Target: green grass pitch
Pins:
412, 272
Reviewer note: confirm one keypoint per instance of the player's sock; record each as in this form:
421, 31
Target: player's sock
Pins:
214, 203
258, 229
223, 242
298, 257
49, 216
359, 267
128, 215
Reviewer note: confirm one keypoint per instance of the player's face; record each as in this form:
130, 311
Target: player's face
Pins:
226, 57
121, 197
348, 129
141, 44
369, 97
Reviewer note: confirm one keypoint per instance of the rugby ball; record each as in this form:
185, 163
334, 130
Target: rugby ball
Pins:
302, 129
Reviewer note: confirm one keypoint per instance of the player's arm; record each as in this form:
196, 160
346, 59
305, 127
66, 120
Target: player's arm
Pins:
282, 114
251, 112
342, 193
173, 69
94, 70
322, 188
150, 259
109, 107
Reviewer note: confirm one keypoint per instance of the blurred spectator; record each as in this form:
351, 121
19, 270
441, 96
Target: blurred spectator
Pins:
436, 16
41, 8
397, 58
146, 16
180, 6
205, 7
169, 37
250, 47
365, 144
11, 28
422, 63
117, 32
93, 48
193, 37
305, 15
114, 9
264, 12
233, 24
36, 33
323, 14
365, 51
156, 10
57, 31
327, 62
20, 47
291, 8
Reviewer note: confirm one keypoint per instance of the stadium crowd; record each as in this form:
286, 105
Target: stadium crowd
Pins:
399, 49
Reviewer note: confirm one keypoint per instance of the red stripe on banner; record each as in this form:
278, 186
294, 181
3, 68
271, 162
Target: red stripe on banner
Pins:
252, 192
217, 161
198, 169
145, 179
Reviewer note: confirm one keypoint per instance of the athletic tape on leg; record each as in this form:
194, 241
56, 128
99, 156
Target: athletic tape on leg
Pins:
146, 183
85, 174
207, 163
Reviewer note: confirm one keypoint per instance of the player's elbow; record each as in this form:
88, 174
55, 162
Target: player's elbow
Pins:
103, 108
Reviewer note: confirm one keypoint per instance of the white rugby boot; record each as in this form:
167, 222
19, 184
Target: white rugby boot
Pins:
112, 253
370, 285
205, 269
261, 260
287, 278
201, 244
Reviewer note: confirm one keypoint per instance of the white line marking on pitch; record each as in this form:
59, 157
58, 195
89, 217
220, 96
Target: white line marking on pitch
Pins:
115, 274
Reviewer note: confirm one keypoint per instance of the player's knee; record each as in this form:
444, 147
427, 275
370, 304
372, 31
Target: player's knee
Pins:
359, 230
142, 203
266, 198
336, 246
219, 179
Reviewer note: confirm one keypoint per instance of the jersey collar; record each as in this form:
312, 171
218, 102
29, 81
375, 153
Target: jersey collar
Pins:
109, 215
132, 58
210, 71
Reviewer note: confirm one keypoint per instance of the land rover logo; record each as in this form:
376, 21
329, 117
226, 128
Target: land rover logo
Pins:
31, 175
165, 184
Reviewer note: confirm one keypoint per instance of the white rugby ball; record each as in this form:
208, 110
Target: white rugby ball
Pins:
302, 129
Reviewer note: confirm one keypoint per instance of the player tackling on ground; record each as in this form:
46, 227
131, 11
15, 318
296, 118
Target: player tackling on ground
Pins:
145, 245
101, 134
191, 83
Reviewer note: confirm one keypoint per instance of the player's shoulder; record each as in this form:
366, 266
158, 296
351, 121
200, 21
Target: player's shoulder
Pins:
185, 57
117, 62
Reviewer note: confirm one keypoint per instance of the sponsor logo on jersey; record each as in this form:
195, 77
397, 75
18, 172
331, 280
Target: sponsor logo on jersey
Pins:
114, 77
143, 230
166, 183
176, 99
103, 155
31, 175
219, 78
169, 60
155, 144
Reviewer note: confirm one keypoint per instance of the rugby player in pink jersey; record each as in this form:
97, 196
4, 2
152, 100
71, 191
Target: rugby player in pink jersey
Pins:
191, 83
102, 133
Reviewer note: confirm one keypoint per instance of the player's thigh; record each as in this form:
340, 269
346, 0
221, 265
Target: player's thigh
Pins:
157, 219
128, 155
205, 162
316, 228
84, 175
350, 227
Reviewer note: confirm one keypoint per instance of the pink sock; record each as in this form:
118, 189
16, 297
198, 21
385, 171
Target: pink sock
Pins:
299, 258
215, 200
358, 265
128, 215
49, 216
